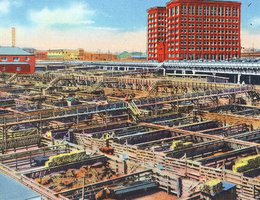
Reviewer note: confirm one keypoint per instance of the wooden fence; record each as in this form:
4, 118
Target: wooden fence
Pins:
247, 188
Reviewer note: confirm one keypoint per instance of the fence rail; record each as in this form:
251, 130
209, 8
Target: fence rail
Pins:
248, 188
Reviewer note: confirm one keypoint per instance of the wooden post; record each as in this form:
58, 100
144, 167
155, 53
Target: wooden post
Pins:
83, 189
16, 164
5, 137
186, 168
169, 186
30, 158
179, 187
125, 167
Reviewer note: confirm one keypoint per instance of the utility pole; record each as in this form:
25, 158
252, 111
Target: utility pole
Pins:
13, 37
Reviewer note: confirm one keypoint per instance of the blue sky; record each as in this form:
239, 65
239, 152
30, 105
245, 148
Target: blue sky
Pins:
95, 25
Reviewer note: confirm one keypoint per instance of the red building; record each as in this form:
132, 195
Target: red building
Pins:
157, 22
196, 29
16, 60
41, 55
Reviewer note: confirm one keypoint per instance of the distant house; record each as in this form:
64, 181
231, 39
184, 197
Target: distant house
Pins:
65, 54
131, 56
124, 55
30, 50
16, 60
41, 55
99, 56
250, 53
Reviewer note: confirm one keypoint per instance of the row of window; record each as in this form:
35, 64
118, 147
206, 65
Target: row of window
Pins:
199, 37
15, 59
156, 25
215, 41
208, 19
199, 10
173, 11
207, 55
152, 46
155, 15
204, 31
171, 23
157, 30
192, 19
159, 34
205, 43
150, 49
171, 26
18, 69
210, 11
190, 37
153, 50
152, 41
233, 26
200, 56
205, 37
202, 49
197, 57
155, 20
209, 25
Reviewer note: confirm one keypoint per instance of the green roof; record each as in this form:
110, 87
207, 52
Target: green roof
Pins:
13, 51
126, 54
123, 55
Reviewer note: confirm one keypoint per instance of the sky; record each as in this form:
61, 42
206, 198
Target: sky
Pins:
95, 25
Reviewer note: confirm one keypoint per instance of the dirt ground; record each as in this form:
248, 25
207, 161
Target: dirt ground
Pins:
157, 196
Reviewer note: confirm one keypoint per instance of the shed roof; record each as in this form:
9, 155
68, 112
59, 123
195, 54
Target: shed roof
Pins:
8, 186
13, 51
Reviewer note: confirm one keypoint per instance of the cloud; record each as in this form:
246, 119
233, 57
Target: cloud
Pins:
90, 39
250, 39
17, 3
75, 14
5, 6
48, 25
256, 21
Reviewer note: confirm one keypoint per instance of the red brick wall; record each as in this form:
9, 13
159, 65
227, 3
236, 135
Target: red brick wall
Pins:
156, 34
197, 29
24, 69
41, 55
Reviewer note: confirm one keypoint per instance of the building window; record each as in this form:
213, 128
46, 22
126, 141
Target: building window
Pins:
16, 59
4, 59
27, 58
177, 10
173, 11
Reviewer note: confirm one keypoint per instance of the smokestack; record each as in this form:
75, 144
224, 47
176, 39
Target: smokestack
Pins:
13, 37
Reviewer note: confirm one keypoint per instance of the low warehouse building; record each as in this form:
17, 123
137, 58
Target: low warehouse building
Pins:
16, 60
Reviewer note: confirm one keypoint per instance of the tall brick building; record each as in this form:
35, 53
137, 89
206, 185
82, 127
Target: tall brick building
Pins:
194, 29
157, 23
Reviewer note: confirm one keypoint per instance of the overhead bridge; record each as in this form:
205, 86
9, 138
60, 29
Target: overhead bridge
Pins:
247, 68
232, 68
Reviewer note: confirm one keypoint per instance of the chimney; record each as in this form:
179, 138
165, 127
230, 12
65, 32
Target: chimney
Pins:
13, 37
